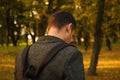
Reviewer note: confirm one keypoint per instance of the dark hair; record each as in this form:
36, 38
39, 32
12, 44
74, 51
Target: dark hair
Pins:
62, 18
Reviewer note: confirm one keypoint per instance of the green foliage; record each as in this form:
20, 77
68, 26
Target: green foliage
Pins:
31, 14
85, 13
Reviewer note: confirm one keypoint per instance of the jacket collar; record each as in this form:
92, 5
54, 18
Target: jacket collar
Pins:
49, 39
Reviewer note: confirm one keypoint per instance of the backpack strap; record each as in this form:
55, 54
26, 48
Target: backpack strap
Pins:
49, 58
21, 59
30, 71
24, 59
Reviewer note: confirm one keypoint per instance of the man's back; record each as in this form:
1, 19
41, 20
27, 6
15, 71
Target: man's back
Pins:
66, 65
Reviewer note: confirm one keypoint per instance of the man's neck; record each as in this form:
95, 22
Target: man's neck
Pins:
54, 32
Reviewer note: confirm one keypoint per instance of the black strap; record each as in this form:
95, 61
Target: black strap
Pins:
54, 52
25, 59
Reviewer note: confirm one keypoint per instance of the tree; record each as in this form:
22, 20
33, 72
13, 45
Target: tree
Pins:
85, 13
42, 10
32, 16
97, 38
11, 10
2, 35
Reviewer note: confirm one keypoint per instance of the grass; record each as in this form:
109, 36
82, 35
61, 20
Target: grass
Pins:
7, 60
108, 66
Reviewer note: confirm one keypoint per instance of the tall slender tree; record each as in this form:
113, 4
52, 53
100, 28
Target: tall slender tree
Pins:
97, 38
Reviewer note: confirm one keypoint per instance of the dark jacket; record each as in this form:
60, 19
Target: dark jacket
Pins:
66, 65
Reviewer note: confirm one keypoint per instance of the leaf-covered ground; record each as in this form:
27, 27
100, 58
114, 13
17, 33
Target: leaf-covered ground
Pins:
108, 66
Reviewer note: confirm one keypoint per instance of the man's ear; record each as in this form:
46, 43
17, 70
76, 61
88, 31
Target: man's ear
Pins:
48, 28
69, 27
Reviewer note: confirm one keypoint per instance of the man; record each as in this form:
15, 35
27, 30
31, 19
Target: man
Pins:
68, 63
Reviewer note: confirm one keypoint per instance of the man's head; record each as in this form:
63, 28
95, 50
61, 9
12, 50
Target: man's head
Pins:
62, 24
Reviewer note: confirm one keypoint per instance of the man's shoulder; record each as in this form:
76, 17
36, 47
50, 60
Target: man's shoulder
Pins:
70, 51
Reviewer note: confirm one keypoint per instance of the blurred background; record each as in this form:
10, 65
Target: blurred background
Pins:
97, 36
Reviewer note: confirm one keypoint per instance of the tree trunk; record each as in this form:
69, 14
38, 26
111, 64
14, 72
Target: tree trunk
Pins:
7, 24
14, 42
50, 7
34, 31
43, 24
13, 29
33, 37
97, 38
26, 37
7, 36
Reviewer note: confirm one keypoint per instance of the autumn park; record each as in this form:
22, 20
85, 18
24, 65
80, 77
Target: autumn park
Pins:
97, 35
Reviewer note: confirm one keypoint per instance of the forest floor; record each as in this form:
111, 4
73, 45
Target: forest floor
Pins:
108, 65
